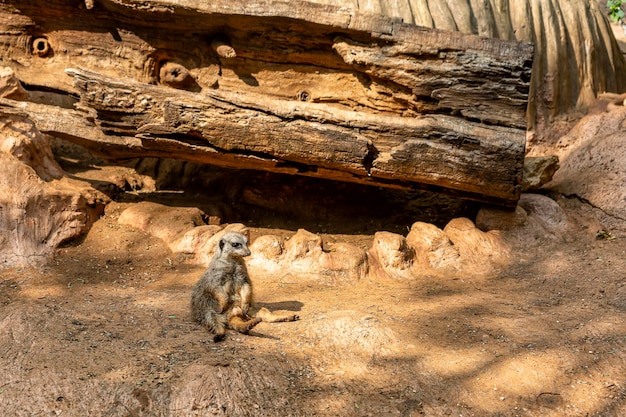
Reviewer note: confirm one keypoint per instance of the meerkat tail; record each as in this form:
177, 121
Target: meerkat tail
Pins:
270, 317
215, 323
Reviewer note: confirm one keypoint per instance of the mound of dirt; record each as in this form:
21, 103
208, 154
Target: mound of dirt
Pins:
593, 166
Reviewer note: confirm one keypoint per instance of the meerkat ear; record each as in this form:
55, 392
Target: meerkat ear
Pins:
221, 244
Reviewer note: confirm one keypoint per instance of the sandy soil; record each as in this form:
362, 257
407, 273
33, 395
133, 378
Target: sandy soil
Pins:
104, 330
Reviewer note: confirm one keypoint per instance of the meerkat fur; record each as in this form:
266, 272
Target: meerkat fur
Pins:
221, 298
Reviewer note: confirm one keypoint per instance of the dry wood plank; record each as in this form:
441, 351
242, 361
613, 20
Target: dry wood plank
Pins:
303, 88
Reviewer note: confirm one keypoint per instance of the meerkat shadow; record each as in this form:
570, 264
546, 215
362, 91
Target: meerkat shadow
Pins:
291, 305
260, 335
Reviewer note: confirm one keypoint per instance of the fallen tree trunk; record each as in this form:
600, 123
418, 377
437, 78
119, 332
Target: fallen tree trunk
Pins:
296, 88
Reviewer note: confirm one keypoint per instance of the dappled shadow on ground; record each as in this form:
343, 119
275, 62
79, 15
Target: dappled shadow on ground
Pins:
104, 330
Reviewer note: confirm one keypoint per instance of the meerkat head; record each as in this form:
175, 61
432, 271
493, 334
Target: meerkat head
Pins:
233, 244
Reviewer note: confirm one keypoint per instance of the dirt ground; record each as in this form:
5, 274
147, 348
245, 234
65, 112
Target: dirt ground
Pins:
104, 330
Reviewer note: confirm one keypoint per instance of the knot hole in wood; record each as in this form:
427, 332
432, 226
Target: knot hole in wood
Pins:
174, 75
40, 47
303, 95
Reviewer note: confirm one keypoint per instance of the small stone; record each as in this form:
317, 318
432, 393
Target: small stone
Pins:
10, 86
497, 218
538, 170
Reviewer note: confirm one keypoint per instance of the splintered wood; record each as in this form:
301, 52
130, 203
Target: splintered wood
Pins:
289, 87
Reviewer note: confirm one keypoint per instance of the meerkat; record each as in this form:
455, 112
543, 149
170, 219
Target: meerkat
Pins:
222, 298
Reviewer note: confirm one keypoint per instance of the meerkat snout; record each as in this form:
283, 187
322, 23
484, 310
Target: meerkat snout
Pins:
234, 244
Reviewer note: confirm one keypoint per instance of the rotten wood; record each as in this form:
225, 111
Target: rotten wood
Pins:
292, 87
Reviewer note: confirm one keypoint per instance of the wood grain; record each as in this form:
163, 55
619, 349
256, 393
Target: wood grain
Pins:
303, 88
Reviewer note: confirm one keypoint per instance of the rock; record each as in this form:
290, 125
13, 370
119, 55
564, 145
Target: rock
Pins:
303, 244
166, 223
433, 249
546, 212
181, 228
302, 257
538, 170
268, 247
593, 166
39, 207
10, 85
536, 219
614, 103
20, 139
392, 255
193, 239
427, 250
345, 262
496, 218
479, 251
266, 254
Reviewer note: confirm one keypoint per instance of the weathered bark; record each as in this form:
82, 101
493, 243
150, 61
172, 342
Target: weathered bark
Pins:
576, 55
286, 87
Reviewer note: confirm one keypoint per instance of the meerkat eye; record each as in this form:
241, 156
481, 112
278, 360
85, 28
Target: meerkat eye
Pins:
236, 245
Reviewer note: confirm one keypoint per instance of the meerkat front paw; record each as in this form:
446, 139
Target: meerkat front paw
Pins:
237, 323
